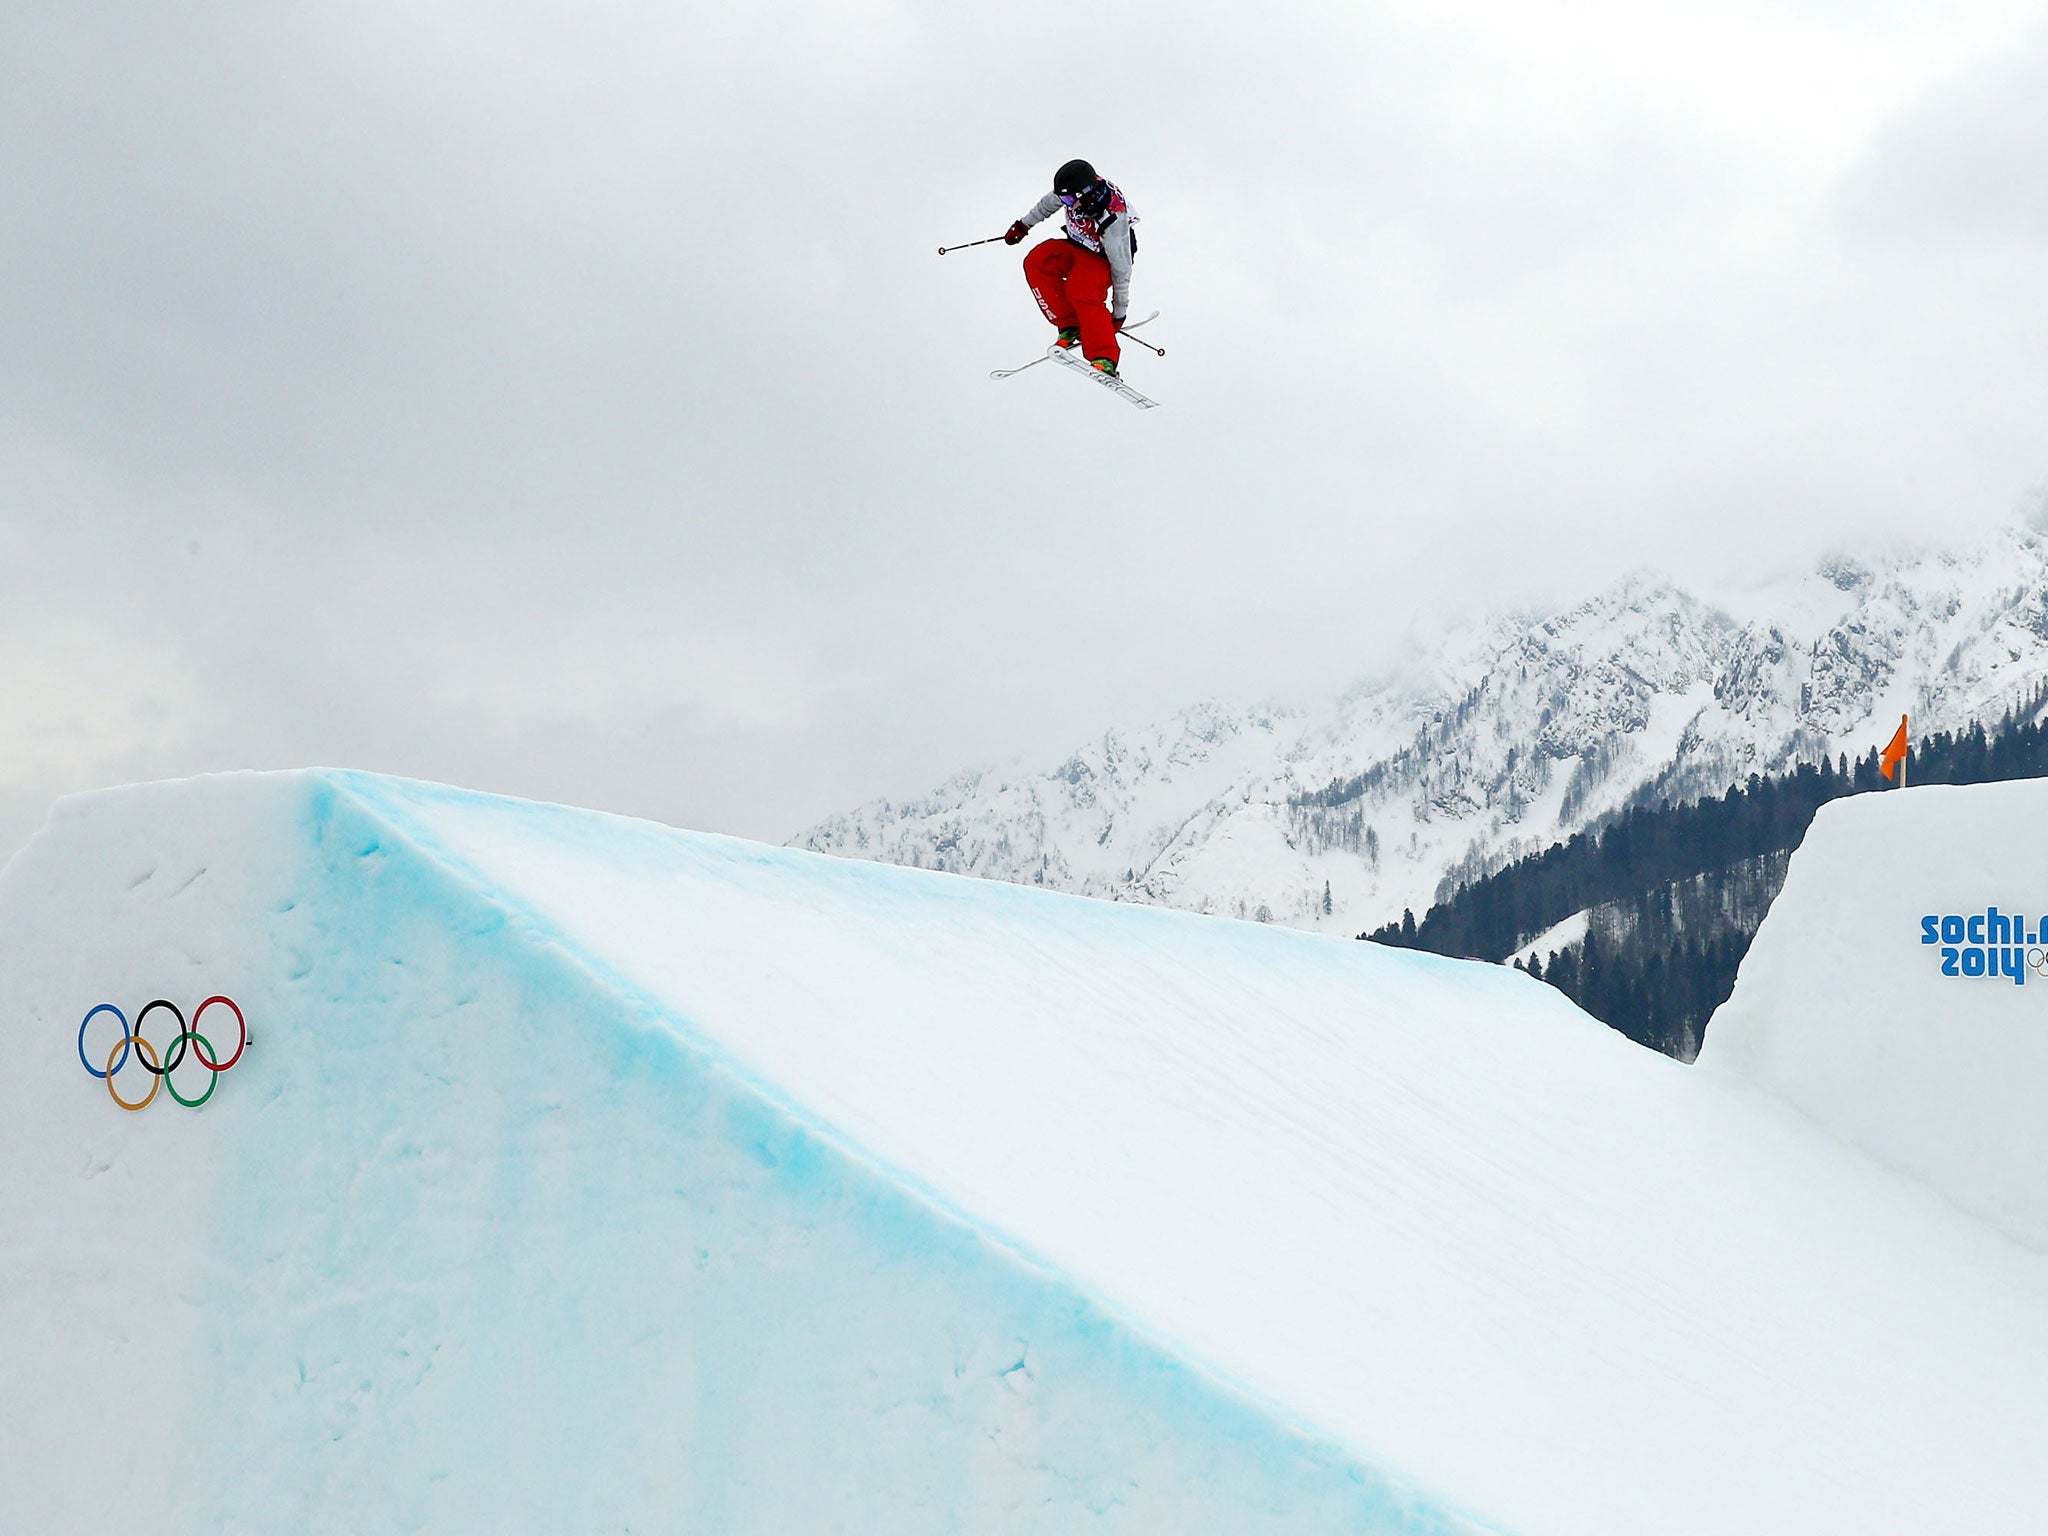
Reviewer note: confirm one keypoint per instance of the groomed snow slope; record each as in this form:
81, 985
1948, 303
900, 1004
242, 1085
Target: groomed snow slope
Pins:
587, 1175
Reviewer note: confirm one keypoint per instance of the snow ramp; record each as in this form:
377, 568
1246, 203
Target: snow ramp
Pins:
1898, 991
585, 1175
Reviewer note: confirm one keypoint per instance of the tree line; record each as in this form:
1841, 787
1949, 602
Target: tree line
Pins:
1674, 892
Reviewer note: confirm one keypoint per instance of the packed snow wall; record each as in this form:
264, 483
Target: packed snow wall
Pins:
478, 1237
582, 1174
1898, 991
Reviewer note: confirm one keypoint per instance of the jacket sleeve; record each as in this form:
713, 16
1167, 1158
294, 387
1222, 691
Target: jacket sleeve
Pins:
1116, 245
1042, 210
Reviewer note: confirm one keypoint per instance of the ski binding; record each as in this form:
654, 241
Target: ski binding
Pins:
1108, 381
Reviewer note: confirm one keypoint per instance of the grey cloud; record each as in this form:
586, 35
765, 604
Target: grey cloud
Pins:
570, 400
1962, 164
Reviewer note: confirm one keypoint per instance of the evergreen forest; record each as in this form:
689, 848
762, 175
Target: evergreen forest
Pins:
1672, 894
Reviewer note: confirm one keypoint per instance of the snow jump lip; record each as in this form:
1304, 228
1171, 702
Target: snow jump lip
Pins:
1067, 1205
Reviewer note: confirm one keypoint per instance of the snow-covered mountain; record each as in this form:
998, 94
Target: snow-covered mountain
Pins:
1497, 740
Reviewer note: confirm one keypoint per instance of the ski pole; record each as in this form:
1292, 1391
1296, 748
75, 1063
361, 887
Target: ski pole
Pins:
1127, 336
991, 240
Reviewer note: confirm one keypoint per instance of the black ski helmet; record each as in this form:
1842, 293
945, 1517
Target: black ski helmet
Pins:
1075, 176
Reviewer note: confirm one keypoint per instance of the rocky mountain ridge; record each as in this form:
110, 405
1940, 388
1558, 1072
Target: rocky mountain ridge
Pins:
1507, 736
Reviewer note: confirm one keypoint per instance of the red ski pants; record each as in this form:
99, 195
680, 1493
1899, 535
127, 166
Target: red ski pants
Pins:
1071, 284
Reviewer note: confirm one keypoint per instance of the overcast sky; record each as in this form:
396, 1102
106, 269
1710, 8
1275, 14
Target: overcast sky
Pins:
569, 400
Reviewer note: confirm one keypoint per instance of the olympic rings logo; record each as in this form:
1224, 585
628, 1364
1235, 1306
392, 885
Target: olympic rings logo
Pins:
160, 1065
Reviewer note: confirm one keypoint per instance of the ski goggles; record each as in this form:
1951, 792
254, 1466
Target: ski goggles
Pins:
1069, 198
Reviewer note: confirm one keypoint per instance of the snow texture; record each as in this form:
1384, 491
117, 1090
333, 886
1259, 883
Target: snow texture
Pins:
1491, 741
1556, 937
1842, 1008
588, 1175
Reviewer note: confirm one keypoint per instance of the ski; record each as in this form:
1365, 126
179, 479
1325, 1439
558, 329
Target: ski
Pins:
1008, 373
1011, 373
1108, 381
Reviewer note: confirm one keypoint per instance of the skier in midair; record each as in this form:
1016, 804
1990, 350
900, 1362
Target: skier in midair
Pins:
1071, 277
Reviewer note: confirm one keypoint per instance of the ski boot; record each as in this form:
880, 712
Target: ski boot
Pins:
1070, 336
1103, 365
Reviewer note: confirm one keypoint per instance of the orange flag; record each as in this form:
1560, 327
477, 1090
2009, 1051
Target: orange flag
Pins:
1894, 759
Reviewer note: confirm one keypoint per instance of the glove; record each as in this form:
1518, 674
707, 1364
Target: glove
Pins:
1015, 233
1119, 319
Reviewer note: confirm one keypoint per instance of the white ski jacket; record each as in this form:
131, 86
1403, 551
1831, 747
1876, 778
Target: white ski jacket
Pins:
1109, 237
